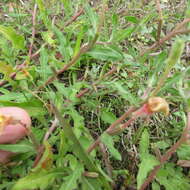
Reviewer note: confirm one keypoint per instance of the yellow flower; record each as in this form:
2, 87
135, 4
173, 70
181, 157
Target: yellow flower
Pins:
158, 104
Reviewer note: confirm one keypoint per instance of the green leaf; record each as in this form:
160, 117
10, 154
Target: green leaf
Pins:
72, 160
43, 12
17, 148
11, 96
6, 185
107, 116
108, 141
172, 177
184, 88
148, 161
123, 34
86, 185
64, 146
44, 69
174, 57
175, 54
90, 184
71, 180
162, 144
63, 47
132, 19
6, 69
78, 148
144, 144
79, 40
10, 34
92, 16
125, 93
78, 121
147, 164
183, 152
155, 186
37, 180
171, 81
105, 53
48, 37
34, 107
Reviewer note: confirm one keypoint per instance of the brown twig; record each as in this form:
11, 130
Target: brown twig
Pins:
51, 129
41, 148
113, 70
33, 29
82, 50
160, 20
184, 137
176, 31
107, 162
73, 18
39, 155
82, 92
106, 159
122, 127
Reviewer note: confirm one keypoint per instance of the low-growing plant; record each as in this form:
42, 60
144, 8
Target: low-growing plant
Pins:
94, 95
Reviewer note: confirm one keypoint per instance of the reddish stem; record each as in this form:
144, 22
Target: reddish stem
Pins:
111, 127
33, 30
80, 12
177, 30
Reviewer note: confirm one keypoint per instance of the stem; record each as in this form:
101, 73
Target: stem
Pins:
51, 129
160, 21
176, 31
111, 128
33, 29
73, 18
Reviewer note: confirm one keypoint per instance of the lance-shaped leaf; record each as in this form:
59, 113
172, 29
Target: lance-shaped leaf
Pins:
70, 182
184, 88
10, 34
108, 141
148, 161
36, 180
174, 57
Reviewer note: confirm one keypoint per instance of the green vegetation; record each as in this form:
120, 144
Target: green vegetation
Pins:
98, 79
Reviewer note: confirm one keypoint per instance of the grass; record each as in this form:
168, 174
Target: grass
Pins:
86, 64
